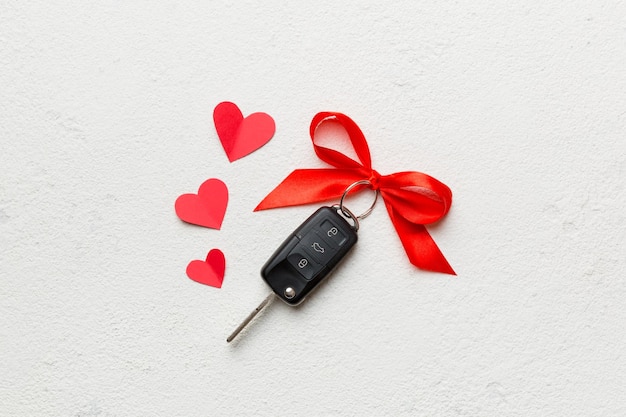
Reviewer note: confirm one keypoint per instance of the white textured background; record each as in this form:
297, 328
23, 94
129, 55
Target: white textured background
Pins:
105, 118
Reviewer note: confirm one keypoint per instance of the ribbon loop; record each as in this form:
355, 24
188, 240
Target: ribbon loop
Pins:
413, 199
336, 158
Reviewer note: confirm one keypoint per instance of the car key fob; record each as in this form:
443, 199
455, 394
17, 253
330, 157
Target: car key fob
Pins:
308, 255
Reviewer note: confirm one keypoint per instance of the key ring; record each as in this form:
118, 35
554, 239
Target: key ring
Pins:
367, 212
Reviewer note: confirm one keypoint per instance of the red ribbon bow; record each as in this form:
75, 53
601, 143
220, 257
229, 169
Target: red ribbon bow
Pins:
413, 199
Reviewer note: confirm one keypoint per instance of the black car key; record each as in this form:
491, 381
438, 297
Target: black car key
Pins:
306, 257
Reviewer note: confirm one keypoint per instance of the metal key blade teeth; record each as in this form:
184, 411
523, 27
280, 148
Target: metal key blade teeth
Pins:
248, 319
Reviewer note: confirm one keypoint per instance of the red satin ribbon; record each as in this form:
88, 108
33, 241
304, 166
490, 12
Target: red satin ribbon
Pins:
413, 199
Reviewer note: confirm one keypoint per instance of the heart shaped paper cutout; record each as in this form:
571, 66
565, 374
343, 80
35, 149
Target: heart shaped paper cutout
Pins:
209, 272
207, 208
241, 136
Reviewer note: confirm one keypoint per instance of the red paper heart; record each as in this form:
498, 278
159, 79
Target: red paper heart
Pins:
207, 208
209, 272
240, 136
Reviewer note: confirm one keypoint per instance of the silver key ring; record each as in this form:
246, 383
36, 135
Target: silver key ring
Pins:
367, 212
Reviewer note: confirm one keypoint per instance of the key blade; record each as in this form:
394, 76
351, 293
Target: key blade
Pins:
253, 314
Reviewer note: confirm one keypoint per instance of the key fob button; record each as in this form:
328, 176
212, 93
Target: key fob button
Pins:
303, 263
318, 247
332, 234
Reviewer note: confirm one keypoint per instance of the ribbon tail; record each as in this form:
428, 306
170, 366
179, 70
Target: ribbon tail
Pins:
305, 186
418, 244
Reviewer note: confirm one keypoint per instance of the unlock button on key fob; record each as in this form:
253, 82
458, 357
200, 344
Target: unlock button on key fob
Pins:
332, 234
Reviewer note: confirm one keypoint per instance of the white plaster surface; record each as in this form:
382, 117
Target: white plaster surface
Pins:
105, 118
